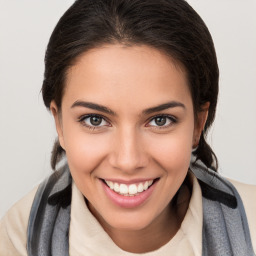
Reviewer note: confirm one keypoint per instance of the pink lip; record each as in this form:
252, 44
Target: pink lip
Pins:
135, 181
128, 201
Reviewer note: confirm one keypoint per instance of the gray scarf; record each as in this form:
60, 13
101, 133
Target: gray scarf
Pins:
225, 227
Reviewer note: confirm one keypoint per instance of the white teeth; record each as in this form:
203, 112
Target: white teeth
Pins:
123, 189
111, 184
145, 186
116, 187
129, 190
140, 187
133, 189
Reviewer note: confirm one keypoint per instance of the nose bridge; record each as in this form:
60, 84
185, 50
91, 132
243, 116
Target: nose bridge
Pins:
128, 153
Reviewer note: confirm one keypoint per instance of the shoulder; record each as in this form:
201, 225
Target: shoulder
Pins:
248, 195
13, 227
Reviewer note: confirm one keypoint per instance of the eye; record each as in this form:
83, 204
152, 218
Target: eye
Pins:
93, 121
162, 121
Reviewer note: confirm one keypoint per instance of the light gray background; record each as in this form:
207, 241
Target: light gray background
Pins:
27, 129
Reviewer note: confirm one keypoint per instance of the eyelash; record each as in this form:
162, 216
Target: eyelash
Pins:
91, 127
173, 120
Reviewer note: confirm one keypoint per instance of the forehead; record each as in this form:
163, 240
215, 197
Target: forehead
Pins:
135, 74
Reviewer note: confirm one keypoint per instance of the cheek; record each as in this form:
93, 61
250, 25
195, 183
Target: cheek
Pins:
85, 151
173, 151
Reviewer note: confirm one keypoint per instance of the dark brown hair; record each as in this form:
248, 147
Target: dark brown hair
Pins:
171, 26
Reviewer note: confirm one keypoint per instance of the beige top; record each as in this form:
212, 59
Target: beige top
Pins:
87, 237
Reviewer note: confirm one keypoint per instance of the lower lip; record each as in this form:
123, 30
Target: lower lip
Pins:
129, 201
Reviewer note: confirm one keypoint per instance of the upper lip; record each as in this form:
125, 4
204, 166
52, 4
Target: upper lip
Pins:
133, 181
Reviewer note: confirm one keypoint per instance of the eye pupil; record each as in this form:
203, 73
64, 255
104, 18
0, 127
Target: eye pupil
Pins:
95, 120
160, 121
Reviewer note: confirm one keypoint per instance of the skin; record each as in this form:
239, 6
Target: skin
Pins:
129, 144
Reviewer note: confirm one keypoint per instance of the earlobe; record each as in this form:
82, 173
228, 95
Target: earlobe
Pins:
58, 125
201, 118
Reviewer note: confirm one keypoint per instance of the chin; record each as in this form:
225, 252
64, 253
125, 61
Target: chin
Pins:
130, 221
130, 224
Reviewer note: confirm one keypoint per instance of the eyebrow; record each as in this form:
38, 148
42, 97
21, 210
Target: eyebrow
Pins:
101, 108
172, 104
94, 106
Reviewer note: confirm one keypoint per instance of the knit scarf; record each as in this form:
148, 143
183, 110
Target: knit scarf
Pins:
225, 226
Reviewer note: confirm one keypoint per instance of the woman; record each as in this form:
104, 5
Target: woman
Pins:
133, 88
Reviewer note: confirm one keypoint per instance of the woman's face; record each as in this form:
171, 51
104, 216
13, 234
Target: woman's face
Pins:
127, 126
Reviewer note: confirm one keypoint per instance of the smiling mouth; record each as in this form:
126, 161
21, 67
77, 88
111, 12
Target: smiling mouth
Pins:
131, 189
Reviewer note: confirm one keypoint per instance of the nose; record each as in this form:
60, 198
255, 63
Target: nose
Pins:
128, 153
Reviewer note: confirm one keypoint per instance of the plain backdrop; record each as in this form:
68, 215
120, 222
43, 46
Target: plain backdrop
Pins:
27, 128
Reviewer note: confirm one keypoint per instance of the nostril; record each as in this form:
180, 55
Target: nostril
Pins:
127, 163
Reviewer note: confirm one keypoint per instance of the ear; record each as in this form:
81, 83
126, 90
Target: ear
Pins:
200, 120
58, 122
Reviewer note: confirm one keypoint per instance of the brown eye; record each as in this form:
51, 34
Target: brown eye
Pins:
95, 120
160, 121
